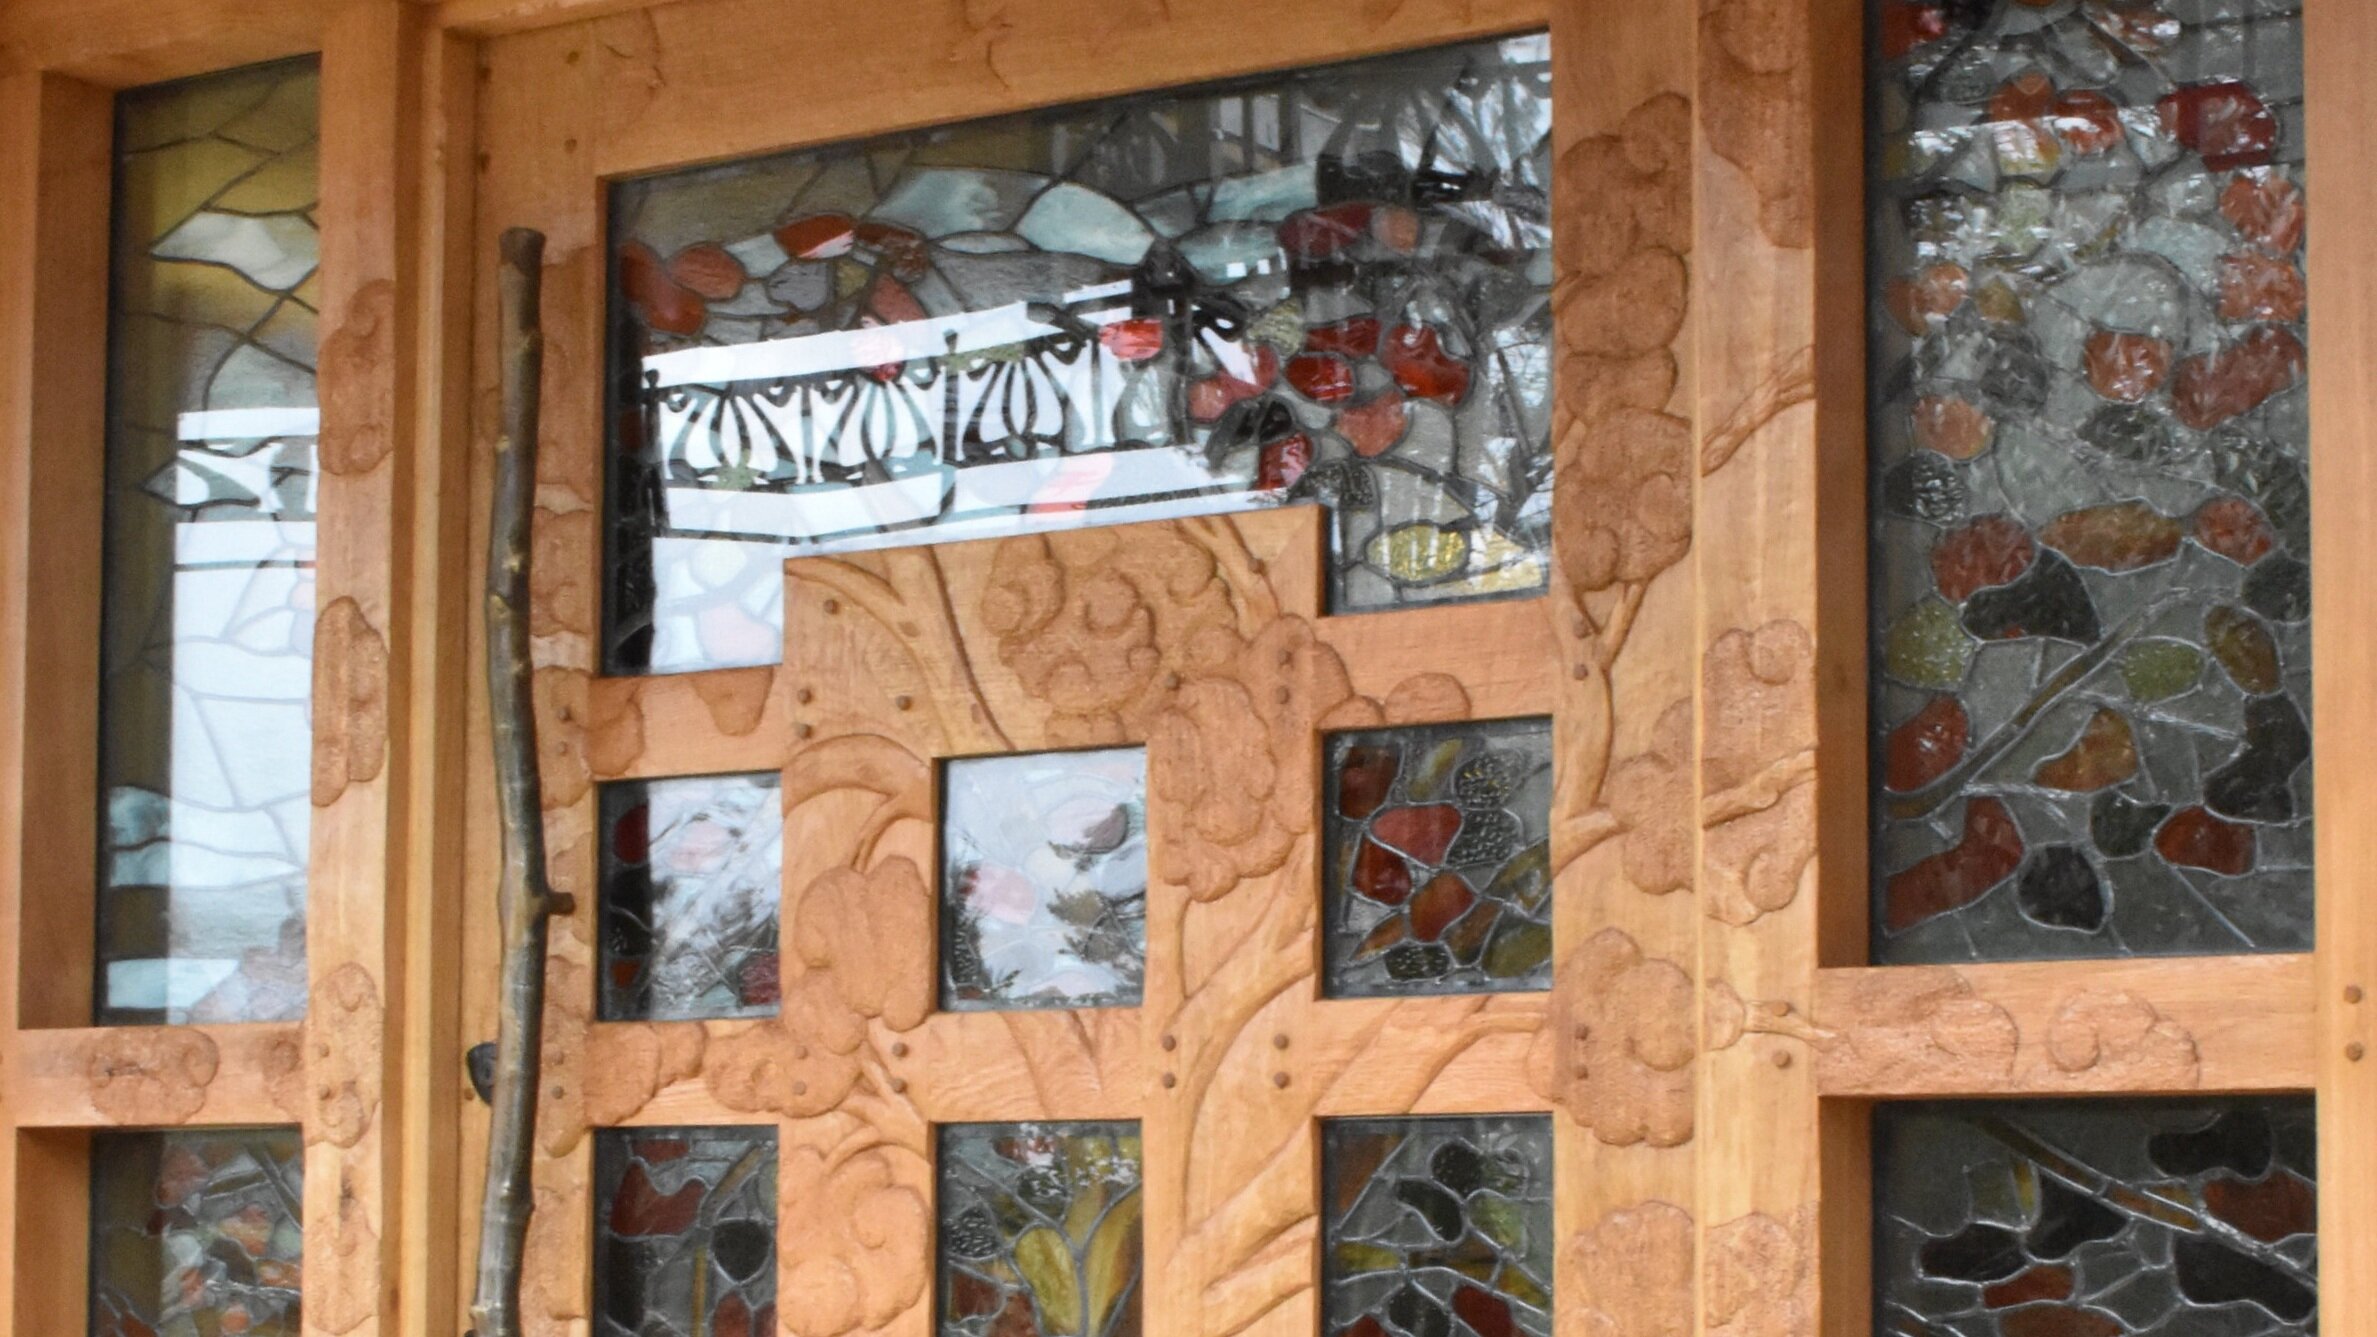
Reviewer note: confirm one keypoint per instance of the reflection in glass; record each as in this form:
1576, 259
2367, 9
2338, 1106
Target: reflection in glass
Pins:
1426, 1221
1328, 284
209, 589
197, 1233
691, 878
685, 1232
1439, 873
2098, 1217
1040, 1230
1044, 880
2090, 528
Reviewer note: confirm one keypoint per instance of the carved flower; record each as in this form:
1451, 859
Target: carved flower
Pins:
871, 936
1761, 1276
1630, 1078
1629, 516
1651, 793
1758, 749
799, 1063
1636, 1270
859, 1236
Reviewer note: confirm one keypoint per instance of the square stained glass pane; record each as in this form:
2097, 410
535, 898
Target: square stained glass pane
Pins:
1044, 880
1431, 1221
684, 1231
2099, 1217
207, 630
2090, 508
1039, 1229
1323, 284
692, 873
1439, 858
197, 1232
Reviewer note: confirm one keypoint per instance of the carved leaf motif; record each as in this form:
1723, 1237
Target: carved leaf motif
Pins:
1636, 1270
343, 1024
149, 1075
871, 936
350, 698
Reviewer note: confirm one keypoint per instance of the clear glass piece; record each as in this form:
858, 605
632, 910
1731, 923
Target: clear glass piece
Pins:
692, 883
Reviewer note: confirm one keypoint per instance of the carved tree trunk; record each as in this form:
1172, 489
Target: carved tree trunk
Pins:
527, 899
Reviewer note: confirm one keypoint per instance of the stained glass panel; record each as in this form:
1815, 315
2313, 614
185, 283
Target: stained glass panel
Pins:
2090, 528
2096, 1219
1328, 284
1433, 1223
685, 1232
1044, 880
1040, 1230
692, 875
205, 745
1439, 858
197, 1233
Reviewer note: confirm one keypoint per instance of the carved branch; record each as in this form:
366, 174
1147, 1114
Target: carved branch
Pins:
526, 900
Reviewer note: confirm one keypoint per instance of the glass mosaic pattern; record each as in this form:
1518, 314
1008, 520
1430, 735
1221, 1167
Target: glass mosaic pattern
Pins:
692, 881
1040, 1230
205, 743
1044, 880
1437, 1227
2096, 1219
685, 1232
1440, 859
1325, 284
195, 1234
2090, 530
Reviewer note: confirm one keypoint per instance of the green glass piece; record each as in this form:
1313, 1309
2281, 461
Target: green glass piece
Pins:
2158, 670
1500, 1220
1518, 948
1356, 1256
1525, 881
1928, 647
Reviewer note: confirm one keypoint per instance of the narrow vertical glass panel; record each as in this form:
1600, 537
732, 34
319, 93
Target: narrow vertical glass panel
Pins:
1040, 1229
2103, 1218
197, 1233
1426, 1221
685, 1231
1325, 284
1439, 862
1044, 880
205, 748
692, 873
2090, 513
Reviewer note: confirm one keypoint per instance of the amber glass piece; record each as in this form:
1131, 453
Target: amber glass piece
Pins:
197, 1233
2088, 432
2121, 1218
1428, 1221
1327, 285
1439, 858
1040, 1229
205, 748
692, 872
685, 1232
1044, 880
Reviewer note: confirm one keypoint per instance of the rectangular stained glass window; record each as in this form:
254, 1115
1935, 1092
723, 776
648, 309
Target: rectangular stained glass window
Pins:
2090, 506
2096, 1218
1039, 1230
1044, 880
197, 1233
692, 873
1431, 1221
205, 745
1439, 858
685, 1232
1326, 284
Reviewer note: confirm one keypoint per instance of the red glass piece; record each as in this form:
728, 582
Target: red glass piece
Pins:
1396, 227
1323, 378
625, 970
1354, 337
1487, 1314
2059, 1321
1381, 874
889, 301
1373, 426
818, 237
761, 980
1905, 27
2194, 838
1016, 1319
1386, 933
2087, 122
708, 270
250, 1227
2254, 286
2266, 208
1446, 898
2122, 536
2234, 528
1416, 359
970, 1296
1927, 746
1423, 832
640, 1209
1133, 340
2045, 1281
1953, 426
731, 1318
1283, 462
2026, 98
903, 247
661, 1150
1364, 778
631, 836
2212, 388
1988, 854
1932, 294
2279, 1207
1366, 1325
2125, 367
1212, 397
2225, 121
664, 303
1318, 234
1991, 550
